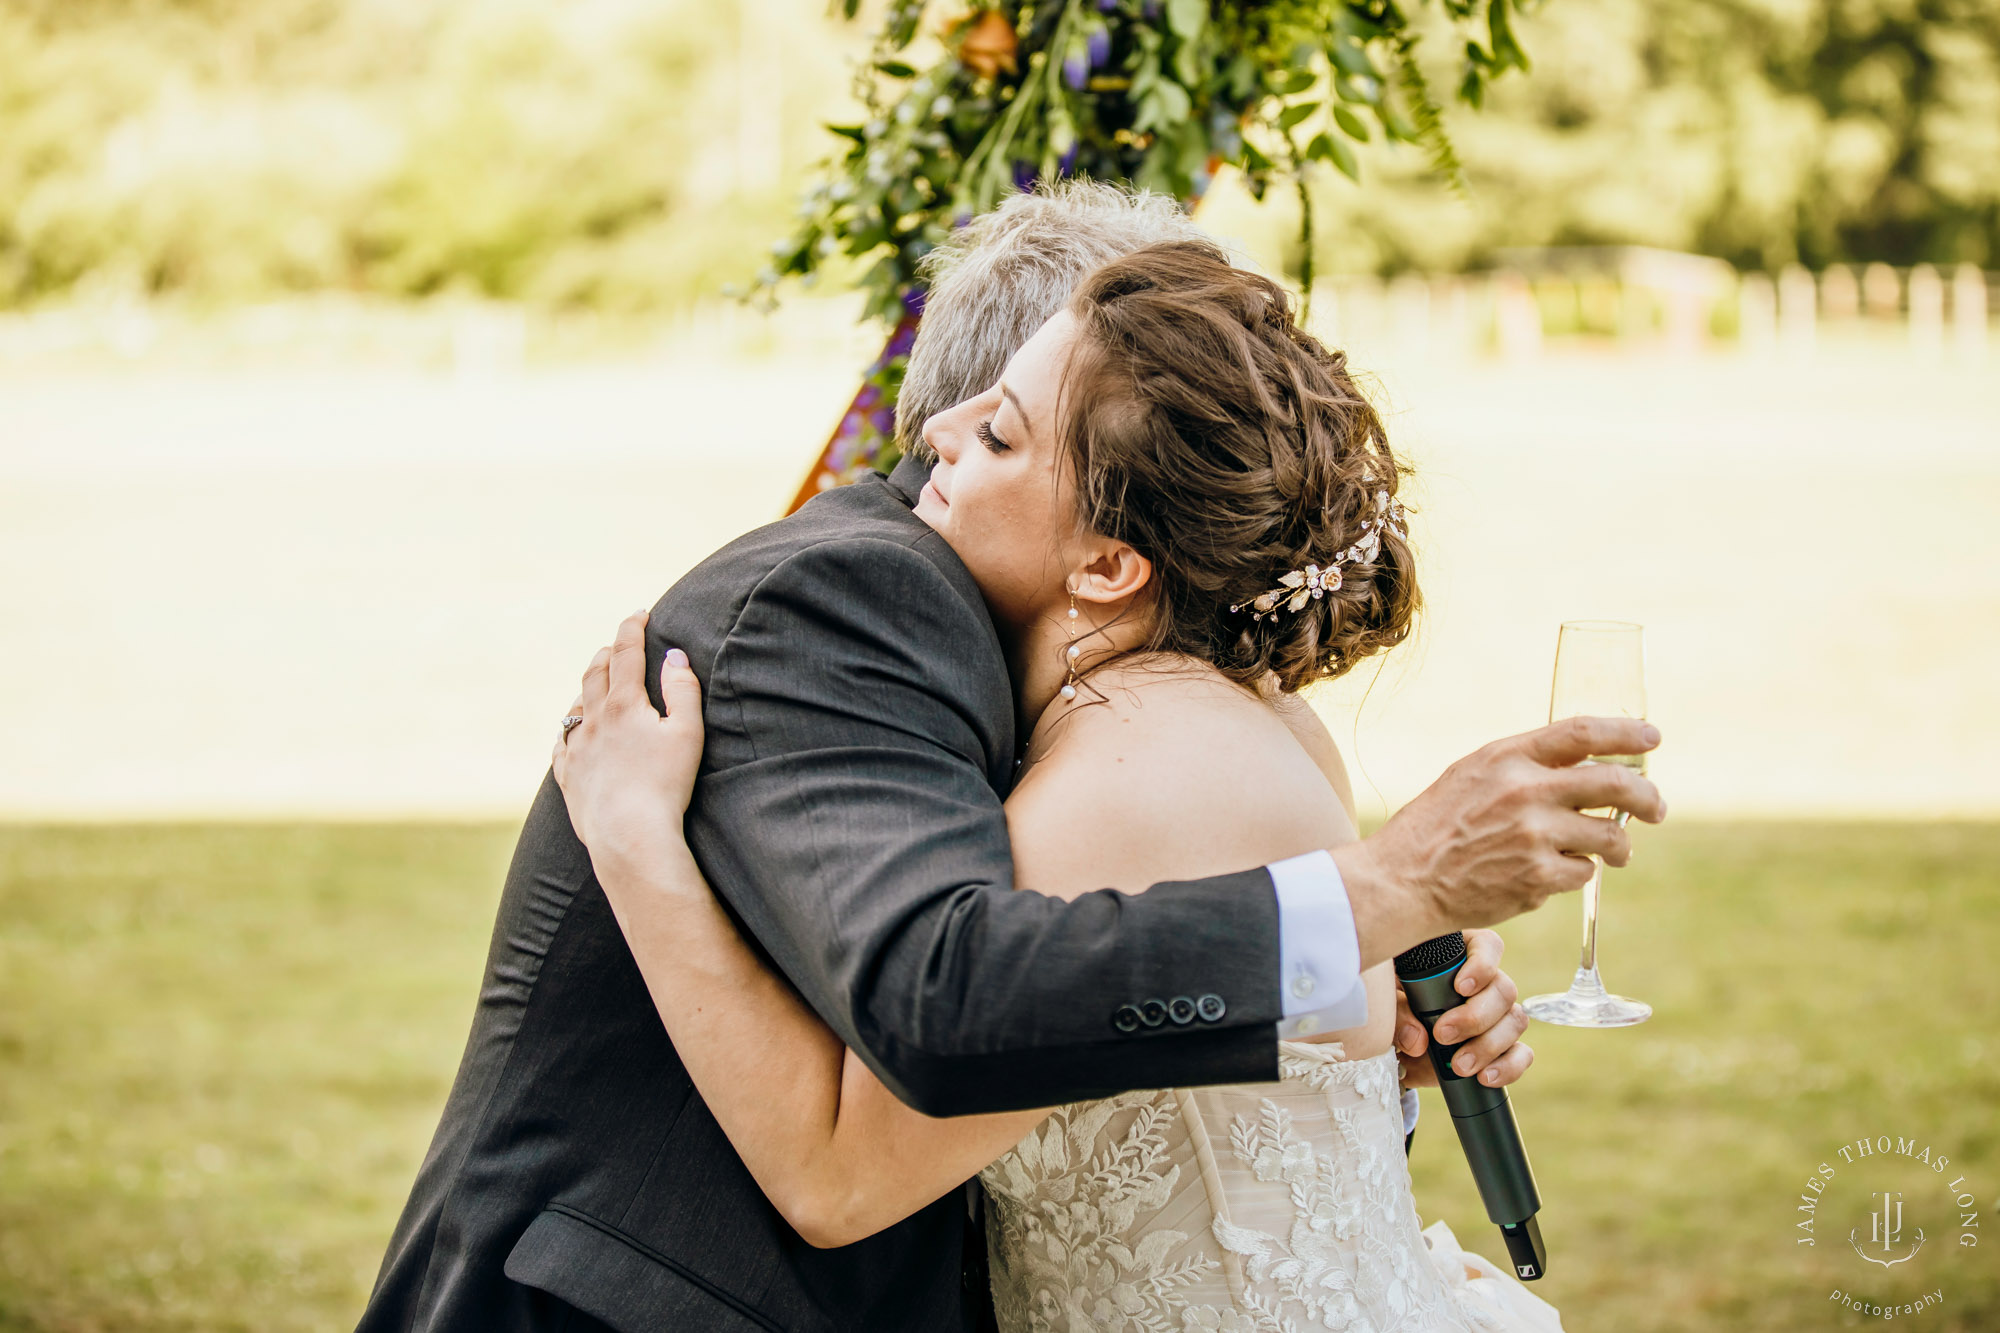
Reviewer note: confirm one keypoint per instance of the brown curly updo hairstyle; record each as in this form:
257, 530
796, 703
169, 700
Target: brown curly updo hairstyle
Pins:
1225, 444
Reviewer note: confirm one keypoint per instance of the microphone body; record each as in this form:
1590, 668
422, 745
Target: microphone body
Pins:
1481, 1115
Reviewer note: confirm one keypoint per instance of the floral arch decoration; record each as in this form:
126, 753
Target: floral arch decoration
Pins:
1160, 93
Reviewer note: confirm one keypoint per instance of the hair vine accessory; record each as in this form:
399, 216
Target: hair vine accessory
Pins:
1296, 587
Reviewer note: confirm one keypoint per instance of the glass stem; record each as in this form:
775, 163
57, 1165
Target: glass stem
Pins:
1587, 967
1589, 962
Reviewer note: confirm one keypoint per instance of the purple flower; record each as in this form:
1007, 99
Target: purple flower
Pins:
884, 419
1067, 161
867, 398
1024, 176
1098, 44
1106, 6
904, 335
846, 444
1151, 9
1076, 69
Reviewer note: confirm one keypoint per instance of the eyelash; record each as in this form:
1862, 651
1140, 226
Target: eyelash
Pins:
989, 439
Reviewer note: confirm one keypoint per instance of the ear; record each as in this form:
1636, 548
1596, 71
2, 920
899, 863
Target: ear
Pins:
1112, 574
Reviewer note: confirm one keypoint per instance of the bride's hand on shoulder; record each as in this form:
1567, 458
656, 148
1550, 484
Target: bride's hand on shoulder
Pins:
1489, 1023
627, 771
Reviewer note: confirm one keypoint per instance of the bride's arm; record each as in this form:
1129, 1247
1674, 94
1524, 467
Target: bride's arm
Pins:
837, 1154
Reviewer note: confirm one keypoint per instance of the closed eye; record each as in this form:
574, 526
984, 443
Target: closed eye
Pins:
993, 442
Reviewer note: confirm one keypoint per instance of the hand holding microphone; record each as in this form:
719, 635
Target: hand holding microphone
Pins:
1480, 1114
1487, 1026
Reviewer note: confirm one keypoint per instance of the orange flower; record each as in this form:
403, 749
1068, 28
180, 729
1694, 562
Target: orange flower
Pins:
989, 44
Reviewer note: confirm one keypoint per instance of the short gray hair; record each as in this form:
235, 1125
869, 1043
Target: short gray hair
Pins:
1004, 274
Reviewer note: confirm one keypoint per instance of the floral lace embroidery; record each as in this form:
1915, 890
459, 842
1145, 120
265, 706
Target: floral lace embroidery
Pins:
1330, 1255
1075, 1249
1065, 1213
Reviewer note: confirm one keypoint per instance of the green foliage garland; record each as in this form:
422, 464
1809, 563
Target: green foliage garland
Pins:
1157, 92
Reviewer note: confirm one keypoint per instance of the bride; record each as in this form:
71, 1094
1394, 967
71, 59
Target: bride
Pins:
1180, 511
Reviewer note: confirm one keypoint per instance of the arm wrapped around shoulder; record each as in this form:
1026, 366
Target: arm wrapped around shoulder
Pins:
859, 727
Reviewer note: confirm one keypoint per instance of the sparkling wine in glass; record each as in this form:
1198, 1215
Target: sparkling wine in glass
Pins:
1600, 672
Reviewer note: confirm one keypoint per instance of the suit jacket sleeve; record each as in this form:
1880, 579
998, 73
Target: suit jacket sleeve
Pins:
847, 813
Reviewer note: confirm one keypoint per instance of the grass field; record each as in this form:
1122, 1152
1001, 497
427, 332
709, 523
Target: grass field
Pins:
222, 1050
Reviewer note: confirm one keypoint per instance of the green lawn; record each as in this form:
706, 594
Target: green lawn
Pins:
222, 1050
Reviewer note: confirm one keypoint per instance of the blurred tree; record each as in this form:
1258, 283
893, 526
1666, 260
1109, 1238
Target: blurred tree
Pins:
581, 151
1762, 131
567, 152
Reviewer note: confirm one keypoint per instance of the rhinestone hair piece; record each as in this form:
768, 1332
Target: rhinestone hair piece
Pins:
1296, 587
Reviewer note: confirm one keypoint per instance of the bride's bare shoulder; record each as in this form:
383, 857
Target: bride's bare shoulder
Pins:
1188, 712
1313, 737
1166, 774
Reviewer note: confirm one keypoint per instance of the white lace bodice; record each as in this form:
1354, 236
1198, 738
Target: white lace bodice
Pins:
1252, 1208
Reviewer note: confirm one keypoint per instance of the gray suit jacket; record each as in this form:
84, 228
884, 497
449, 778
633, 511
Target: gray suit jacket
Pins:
860, 738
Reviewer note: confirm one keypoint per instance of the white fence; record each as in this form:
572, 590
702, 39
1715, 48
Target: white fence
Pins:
1678, 302
1656, 299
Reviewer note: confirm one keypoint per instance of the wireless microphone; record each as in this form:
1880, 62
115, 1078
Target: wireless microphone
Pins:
1484, 1120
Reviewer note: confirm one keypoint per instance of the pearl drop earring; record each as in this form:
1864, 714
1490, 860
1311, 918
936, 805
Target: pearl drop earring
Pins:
1073, 652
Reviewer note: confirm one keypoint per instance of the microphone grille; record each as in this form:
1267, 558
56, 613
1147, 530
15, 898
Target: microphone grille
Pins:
1431, 957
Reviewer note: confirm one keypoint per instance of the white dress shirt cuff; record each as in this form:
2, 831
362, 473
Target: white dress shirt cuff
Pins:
1319, 957
1409, 1111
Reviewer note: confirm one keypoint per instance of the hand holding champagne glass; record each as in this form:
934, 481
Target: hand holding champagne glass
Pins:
1600, 672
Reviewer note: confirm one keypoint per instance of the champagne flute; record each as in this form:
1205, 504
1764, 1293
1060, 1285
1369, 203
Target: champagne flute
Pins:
1600, 672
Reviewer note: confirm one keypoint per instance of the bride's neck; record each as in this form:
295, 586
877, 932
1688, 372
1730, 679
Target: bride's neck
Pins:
1039, 657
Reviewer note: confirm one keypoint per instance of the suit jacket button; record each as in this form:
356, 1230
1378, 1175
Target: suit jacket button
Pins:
1125, 1018
1181, 1010
1211, 1008
1153, 1012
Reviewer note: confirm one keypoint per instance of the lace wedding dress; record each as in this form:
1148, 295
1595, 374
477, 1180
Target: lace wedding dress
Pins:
1253, 1208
